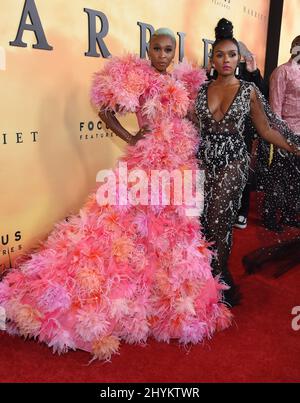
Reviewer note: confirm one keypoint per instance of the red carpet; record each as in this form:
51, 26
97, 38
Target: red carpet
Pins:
260, 347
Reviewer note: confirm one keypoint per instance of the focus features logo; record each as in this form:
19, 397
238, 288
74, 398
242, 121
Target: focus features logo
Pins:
9, 244
93, 131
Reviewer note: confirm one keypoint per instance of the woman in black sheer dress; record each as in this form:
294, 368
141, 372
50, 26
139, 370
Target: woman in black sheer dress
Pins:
222, 108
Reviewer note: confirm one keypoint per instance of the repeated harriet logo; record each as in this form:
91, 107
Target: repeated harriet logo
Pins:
97, 46
90, 130
21, 137
222, 3
254, 13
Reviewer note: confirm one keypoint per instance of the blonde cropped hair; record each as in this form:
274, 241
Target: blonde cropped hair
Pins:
165, 32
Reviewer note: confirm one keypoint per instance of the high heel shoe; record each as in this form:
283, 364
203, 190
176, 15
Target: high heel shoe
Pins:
251, 265
232, 296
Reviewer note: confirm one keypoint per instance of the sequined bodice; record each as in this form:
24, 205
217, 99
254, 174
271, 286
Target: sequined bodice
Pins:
223, 141
233, 122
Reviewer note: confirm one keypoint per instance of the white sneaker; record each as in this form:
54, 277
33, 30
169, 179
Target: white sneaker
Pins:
241, 222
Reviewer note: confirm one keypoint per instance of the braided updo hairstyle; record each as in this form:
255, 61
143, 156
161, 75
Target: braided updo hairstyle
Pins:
224, 31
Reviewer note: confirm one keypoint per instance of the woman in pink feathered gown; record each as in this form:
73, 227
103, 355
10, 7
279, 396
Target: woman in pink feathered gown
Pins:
126, 272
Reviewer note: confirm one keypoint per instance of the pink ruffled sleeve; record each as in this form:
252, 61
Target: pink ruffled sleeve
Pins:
120, 84
192, 77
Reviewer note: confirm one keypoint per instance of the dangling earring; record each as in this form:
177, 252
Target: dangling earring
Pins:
237, 71
212, 72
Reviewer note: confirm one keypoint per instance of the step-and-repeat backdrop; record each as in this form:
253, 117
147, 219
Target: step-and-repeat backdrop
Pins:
290, 28
51, 141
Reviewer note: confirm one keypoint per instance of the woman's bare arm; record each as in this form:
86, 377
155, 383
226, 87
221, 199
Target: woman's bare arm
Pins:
113, 124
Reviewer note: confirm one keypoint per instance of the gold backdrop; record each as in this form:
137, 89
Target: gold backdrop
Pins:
290, 28
48, 165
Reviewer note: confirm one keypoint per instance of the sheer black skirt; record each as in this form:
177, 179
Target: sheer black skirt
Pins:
226, 164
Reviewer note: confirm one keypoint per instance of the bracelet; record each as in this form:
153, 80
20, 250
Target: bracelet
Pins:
128, 137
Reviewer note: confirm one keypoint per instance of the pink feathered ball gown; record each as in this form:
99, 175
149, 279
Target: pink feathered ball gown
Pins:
114, 273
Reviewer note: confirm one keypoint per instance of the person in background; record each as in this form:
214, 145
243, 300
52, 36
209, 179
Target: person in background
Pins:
284, 171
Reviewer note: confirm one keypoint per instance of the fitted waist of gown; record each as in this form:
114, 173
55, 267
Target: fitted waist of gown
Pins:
221, 149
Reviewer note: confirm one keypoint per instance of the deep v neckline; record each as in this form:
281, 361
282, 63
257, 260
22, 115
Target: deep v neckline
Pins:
228, 109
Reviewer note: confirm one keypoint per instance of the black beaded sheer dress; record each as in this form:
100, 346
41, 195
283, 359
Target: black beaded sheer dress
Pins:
224, 157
